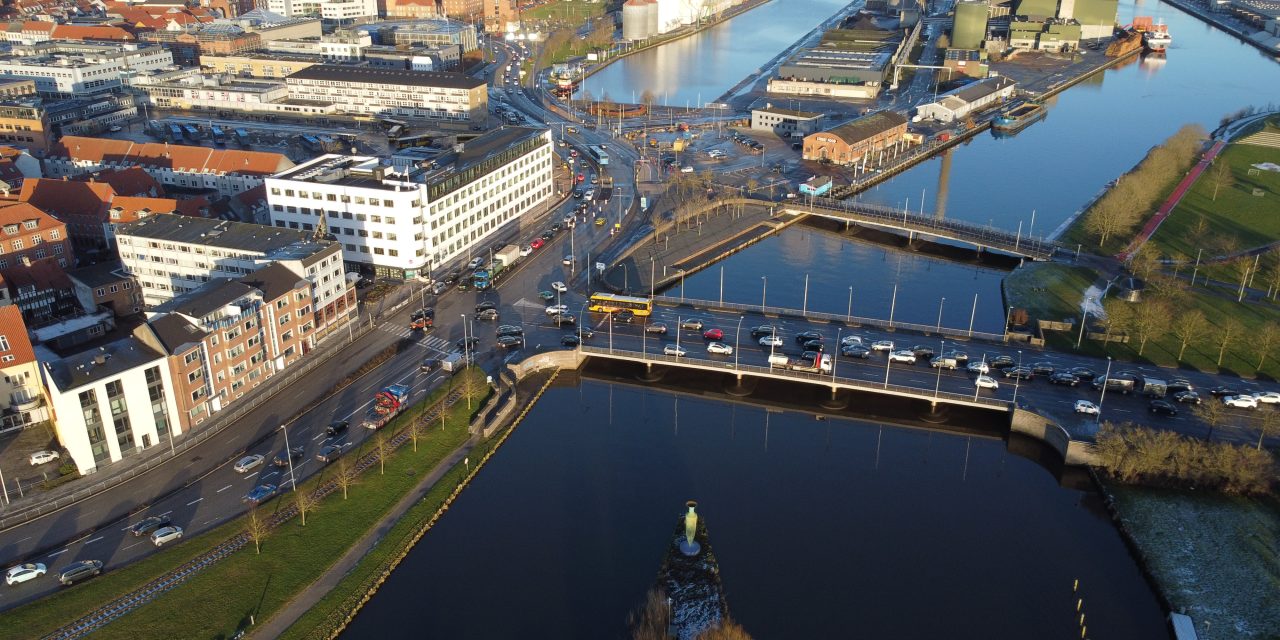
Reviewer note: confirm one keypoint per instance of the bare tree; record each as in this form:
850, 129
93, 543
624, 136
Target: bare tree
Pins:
652, 620
1273, 280
1109, 217
753, 184
306, 502
1117, 314
257, 527
415, 429
1220, 176
1150, 320
1229, 332
647, 97
1189, 327
380, 450
343, 475
1213, 413
1267, 420
1265, 340
1144, 261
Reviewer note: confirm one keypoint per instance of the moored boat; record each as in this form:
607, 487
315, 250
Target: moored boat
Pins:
1018, 116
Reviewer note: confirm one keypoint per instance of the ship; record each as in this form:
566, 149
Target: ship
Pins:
1018, 117
1126, 42
1157, 38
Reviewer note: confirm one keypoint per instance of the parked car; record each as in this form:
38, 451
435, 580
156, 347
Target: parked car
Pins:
43, 457
259, 494
986, 382
336, 428
979, 367
165, 535
511, 342
719, 348
1267, 397
1242, 402
559, 287
147, 525
24, 572
855, 351
1187, 397
692, 324
570, 340
537, 243
1063, 377
79, 571
656, 327
1084, 406
713, 334
771, 341
902, 356
248, 462
1020, 373
282, 459
1162, 408
882, 345
673, 350
329, 453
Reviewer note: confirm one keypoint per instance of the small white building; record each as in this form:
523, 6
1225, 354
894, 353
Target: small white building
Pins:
971, 98
788, 123
76, 69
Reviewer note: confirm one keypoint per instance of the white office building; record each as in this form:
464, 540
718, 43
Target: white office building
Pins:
403, 224
75, 69
326, 9
434, 95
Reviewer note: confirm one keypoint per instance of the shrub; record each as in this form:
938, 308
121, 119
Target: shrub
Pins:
1138, 455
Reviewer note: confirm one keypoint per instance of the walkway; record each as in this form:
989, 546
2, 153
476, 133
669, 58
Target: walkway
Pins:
1174, 198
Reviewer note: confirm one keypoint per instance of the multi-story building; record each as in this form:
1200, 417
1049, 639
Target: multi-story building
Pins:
16, 88
66, 69
28, 234
111, 401
431, 33
220, 93
788, 123
174, 255
343, 45
91, 210
106, 285
261, 64
21, 392
16, 167
209, 39
384, 92
24, 123
226, 171
857, 140
403, 224
337, 10
42, 291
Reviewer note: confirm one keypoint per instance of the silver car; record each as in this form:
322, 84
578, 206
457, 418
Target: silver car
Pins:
249, 462
166, 534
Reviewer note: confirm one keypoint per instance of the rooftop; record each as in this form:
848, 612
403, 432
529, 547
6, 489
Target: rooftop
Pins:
274, 243
274, 281
338, 73
175, 330
794, 113
98, 364
860, 129
100, 274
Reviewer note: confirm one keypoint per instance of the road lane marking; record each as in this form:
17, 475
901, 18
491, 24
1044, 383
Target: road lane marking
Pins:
320, 435
166, 513
25, 539
250, 476
223, 489
58, 553
94, 540
194, 501
270, 475
131, 546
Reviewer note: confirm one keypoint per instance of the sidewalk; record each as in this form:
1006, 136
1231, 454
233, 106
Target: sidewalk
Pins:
1174, 198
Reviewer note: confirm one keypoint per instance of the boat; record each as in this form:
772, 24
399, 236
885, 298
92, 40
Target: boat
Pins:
1126, 42
1157, 38
1018, 117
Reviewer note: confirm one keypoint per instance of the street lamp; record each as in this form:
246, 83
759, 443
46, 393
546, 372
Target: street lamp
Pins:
942, 349
288, 454
466, 344
1106, 378
737, 340
1017, 380
887, 360
848, 314
764, 289
835, 357
1084, 318
940, 303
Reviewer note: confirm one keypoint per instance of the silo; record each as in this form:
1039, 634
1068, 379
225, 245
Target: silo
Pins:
635, 20
652, 8
970, 27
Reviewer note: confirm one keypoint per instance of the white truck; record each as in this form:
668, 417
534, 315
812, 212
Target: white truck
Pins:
506, 256
453, 362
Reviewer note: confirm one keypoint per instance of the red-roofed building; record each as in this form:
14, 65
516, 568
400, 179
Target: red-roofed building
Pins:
92, 209
16, 165
21, 390
107, 33
28, 234
133, 181
42, 291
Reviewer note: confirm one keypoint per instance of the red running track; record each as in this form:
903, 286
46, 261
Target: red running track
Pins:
1174, 198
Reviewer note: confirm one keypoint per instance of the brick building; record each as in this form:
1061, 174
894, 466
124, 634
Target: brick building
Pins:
106, 285
28, 234
22, 395
857, 140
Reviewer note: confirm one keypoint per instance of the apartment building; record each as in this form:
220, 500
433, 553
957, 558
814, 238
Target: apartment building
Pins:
28, 234
225, 171
24, 123
174, 255
434, 95
21, 393
110, 402
402, 224
105, 285
339, 10
67, 69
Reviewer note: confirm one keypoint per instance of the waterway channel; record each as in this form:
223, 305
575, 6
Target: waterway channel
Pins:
820, 527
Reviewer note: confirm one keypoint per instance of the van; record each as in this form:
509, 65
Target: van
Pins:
778, 360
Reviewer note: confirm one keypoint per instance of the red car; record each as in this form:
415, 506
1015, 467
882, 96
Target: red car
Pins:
581, 178
713, 334
573, 153
537, 243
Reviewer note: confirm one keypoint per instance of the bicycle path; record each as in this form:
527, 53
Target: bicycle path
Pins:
1174, 198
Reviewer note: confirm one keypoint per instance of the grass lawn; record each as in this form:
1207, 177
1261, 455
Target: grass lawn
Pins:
1215, 556
568, 11
245, 583
1048, 291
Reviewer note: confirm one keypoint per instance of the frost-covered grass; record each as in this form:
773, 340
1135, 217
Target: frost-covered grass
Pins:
1216, 558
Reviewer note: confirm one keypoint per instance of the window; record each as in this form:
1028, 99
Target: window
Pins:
191, 357
4, 343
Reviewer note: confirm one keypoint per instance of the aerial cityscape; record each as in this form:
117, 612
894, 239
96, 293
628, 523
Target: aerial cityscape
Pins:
645, 319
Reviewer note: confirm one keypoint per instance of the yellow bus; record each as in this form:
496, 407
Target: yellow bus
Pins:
609, 303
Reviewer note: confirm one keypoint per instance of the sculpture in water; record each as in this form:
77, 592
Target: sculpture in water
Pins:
688, 547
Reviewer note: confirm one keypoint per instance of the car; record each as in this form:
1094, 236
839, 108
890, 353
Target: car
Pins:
980, 367
488, 314
855, 351
1063, 377
763, 330
475, 264
1001, 362
1223, 391
713, 334
147, 525
329, 453
805, 336
882, 345
673, 350
283, 458
468, 343
165, 535
986, 382
561, 319
811, 356
1179, 384
591, 193
656, 327
547, 296
573, 153
249, 462
1241, 402
1020, 373
626, 315
595, 179
923, 352
510, 342
79, 571
537, 243
600, 221
577, 193
812, 345
336, 428
943, 362
1084, 374
43, 457
429, 365
1043, 369
1162, 408
555, 227
23, 573
850, 340
693, 324
259, 494
902, 356
567, 261
960, 357
1084, 406
1187, 397
771, 341
559, 287
557, 309
719, 348
509, 330
487, 305
686, 169
1268, 397
525, 250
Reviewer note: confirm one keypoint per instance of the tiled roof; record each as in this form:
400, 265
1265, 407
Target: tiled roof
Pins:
19, 212
67, 197
860, 129
37, 26
83, 32
131, 181
15, 331
162, 156
41, 274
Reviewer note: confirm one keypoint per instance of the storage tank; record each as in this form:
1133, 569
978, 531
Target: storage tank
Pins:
651, 9
970, 26
635, 20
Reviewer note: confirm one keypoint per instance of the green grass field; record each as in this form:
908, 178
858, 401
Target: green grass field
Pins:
567, 11
1048, 291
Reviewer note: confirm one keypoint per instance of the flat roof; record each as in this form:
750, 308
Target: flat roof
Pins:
99, 274
793, 113
96, 364
371, 75
273, 242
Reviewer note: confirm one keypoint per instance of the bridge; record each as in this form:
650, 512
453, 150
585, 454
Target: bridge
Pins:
980, 236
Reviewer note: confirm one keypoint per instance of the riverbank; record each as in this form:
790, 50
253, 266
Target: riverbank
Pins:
1221, 22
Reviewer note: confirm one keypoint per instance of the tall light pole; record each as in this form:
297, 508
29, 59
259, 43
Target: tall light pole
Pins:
940, 303
804, 309
1017, 380
893, 304
937, 386
288, 454
1084, 318
764, 290
887, 361
835, 358
677, 334
466, 344
1106, 378
737, 340
848, 314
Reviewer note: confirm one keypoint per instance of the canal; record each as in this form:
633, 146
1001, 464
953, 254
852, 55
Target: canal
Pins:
821, 527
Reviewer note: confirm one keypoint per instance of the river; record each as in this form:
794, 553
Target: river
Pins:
821, 528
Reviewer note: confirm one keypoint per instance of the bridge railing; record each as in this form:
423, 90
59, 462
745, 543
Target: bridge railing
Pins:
815, 378
675, 301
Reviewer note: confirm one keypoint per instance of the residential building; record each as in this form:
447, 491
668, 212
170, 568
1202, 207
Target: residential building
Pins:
859, 140
67, 69
21, 392
90, 115
261, 64
958, 104
28, 234
335, 10
91, 210
224, 171
42, 291
110, 402
16, 166
404, 224
188, 45
106, 285
785, 122
383, 92
24, 123
173, 255
75, 330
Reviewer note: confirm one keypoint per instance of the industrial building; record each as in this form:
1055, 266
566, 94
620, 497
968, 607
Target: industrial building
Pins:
787, 123
971, 98
644, 19
969, 28
856, 140
1093, 18
1053, 34
852, 61
966, 62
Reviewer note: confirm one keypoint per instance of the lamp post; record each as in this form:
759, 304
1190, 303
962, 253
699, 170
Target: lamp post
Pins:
1017, 380
764, 290
737, 340
582, 320
835, 358
887, 361
940, 303
804, 308
1084, 318
848, 314
288, 454
937, 386
1106, 377
893, 304
677, 334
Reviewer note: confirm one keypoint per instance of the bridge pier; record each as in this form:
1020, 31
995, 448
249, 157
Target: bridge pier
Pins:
739, 388
937, 413
837, 400
650, 375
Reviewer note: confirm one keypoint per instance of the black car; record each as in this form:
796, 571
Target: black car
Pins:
561, 319
453, 276
336, 428
80, 571
577, 193
1083, 373
1020, 373
855, 351
1043, 369
1062, 377
656, 327
805, 336
547, 235
510, 342
555, 227
1179, 384
509, 330
429, 365
147, 525
282, 458
1224, 390
812, 345
487, 305
487, 314
922, 352
625, 315
1162, 408
1187, 397
569, 340
811, 356
762, 331
470, 342
329, 453
1000, 362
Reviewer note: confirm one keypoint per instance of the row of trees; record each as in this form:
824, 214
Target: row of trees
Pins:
1138, 455
1138, 192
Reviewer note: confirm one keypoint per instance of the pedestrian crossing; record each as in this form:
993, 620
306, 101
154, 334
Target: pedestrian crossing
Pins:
425, 339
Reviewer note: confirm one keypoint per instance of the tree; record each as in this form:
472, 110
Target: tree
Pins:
307, 502
415, 429
1189, 327
1265, 340
646, 98
753, 184
344, 476
1144, 261
1150, 319
1267, 420
1213, 413
1116, 316
257, 527
1230, 331
1273, 280
944, 42
1109, 217
380, 451
652, 620
1220, 176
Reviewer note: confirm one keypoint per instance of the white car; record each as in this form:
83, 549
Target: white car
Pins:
720, 348
986, 382
1267, 397
23, 573
979, 367
902, 356
849, 341
770, 341
882, 345
165, 535
686, 169
525, 250
1084, 406
248, 462
42, 457
1243, 402
673, 350
559, 286
557, 309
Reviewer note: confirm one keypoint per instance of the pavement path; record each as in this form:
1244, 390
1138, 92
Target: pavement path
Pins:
1174, 198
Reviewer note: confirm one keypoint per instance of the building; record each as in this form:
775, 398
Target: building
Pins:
110, 402
431, 33
1094, 18
187, 45
90, 115
21, 391
224, 171
67, 69
857, 140
271, 26
835, 66
966, 62
75, 330
28, 234
173, 255
105, 285
1053, 34
24, 123
343, 45
788, 123
261, 64
438, 58
333, 10
969, 27
643, 19
16, 166
958, 104
220, 93
816, 186
444, 96
42, 291
852, 61
404, 224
